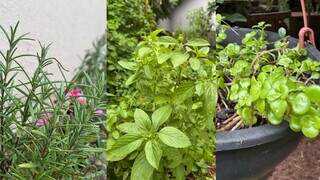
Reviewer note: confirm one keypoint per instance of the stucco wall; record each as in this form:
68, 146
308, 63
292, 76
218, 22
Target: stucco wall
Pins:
178, 19
71, 25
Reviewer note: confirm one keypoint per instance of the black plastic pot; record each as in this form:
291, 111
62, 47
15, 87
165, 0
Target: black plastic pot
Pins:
252, 154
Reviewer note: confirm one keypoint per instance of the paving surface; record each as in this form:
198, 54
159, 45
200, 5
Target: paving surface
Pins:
302, 164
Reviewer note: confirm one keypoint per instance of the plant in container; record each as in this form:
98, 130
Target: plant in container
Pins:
267, 79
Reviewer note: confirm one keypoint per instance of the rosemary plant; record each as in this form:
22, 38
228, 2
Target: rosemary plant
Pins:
48, 129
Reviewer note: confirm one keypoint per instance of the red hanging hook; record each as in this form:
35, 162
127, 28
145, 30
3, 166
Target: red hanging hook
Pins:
305, 31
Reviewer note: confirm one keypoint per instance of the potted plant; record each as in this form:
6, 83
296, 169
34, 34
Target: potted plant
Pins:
267, 79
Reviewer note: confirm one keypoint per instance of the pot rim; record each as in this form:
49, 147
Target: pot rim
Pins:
249, 137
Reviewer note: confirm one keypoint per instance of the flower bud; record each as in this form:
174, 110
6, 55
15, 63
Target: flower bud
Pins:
82, 100
99, 112
42, 122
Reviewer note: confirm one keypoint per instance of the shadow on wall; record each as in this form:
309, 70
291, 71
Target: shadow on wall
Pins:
178, 18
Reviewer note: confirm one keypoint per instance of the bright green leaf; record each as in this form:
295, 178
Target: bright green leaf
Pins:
183, 92
131, 79
130, 128
144, 51
164, 57
279, 107
128, 65
313, 92
197, 42
161, 115
295, 123
247, 116
194, 63
179, 58
153, 153
310, 131
300, 103
142, 119
141, 169
174, 138
167, 40
125, 145
273, 119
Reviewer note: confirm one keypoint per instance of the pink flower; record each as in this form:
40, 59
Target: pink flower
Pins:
82, 100
99, 112
44, 119
74, 93
42, 122
77, 93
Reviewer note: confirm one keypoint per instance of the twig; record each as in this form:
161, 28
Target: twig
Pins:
229, 119
237, 125
224, 103
230, 124
308, 80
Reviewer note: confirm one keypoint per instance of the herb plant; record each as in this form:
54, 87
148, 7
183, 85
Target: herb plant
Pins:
275, 84
163, 128
48, 128
127, 22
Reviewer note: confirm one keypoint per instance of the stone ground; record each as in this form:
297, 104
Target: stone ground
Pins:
302, 164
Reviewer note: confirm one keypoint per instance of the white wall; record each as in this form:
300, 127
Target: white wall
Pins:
178, 19
71, 25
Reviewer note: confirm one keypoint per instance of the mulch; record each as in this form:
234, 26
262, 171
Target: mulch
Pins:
302, 164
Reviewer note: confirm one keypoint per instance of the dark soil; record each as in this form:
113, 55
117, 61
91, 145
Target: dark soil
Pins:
302, 164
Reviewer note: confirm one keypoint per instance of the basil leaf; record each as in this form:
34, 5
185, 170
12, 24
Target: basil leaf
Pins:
161, 115
163, 57
179, 58
144, 51
174, 138
128, 65
153, 153
141, 169
142, 119
194, 63
130, 128
125, 145
198, 42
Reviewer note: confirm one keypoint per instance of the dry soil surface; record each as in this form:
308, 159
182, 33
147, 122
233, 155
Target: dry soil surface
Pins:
302, 164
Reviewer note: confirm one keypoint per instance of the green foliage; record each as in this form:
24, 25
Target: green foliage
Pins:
276, 84
92, 71
164, 125
44, 132
199, 23
127, 22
